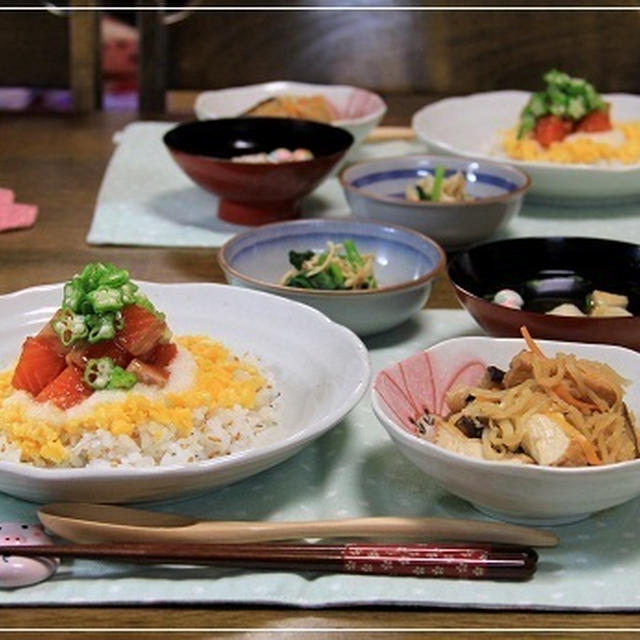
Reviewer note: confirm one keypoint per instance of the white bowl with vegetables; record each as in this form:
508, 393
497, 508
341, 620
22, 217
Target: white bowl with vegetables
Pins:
474, 414
368, 277
455, 201
558, 135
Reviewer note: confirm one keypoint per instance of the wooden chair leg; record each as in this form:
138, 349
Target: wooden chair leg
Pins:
84, 54
152, 87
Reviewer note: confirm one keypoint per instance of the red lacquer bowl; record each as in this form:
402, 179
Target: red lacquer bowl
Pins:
254, 194
547, 272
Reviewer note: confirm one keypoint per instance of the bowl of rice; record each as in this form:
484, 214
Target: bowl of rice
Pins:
240, 396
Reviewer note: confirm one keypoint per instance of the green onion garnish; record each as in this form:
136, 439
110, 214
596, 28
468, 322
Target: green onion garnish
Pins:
92, 301
102, 373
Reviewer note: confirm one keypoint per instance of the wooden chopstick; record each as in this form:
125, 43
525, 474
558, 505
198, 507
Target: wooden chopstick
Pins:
478, 561
382, 134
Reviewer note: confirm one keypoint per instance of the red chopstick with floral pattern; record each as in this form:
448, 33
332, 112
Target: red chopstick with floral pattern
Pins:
432, 560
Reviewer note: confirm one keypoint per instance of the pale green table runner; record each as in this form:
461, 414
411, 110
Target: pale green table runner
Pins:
145, 199
355, 470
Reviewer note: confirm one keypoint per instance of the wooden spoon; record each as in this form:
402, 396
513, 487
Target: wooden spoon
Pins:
83, 523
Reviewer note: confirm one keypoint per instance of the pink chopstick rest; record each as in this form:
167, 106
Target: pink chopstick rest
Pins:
17, 571
6, 197
17, 215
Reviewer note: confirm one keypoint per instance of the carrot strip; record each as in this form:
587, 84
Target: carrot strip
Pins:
588, 449
564, 394
561, 390
533, 347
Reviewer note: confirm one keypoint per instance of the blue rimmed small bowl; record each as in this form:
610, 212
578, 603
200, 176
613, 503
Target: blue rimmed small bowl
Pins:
375, 191
406, 264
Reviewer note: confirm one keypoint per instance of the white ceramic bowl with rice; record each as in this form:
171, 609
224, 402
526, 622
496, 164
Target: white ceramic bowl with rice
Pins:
471, 126
298, 350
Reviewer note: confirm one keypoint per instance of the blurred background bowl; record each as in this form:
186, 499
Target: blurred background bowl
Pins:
253, 194
375, 190
356, 110
471, 126
525, 493
546, 272
406, 264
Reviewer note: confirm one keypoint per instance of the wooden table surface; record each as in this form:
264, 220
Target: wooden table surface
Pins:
57, 162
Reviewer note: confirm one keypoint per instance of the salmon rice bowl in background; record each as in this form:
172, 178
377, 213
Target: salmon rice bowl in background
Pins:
105, 384
582, 149
569, 122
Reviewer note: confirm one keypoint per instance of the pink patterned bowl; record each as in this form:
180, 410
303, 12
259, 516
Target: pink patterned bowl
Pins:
524, 493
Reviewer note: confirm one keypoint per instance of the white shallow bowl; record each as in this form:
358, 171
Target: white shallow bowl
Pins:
358, 110
375, 190
321, 369
406, 265
470, 126
528, 494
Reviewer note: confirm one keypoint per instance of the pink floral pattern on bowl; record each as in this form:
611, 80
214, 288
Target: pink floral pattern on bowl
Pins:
359, 104
417, 386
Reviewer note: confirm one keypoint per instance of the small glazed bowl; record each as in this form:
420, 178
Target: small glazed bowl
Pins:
525, 493
375, 190
547, 272
253, 194
357, 110
406, 264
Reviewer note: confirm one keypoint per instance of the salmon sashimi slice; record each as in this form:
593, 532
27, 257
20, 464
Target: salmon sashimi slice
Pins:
39, 364
47, 333
161, 355
66, 390
142, 330
147, 373
82, 352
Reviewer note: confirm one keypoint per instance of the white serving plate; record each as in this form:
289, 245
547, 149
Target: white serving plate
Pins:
529, 494
321, 369
470, 126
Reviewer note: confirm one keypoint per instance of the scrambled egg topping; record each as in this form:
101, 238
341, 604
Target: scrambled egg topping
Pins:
222, 380
578, 149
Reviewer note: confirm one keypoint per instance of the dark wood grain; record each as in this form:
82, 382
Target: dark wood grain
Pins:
42, 49
274, 623
393, 50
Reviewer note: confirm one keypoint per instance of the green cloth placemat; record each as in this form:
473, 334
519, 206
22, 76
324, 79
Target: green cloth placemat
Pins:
146, 200
355, 470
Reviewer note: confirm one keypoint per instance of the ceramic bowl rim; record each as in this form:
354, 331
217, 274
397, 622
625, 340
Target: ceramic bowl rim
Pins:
524, 470
258, 166
406, 285
377, 113
567, 320
476, 202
